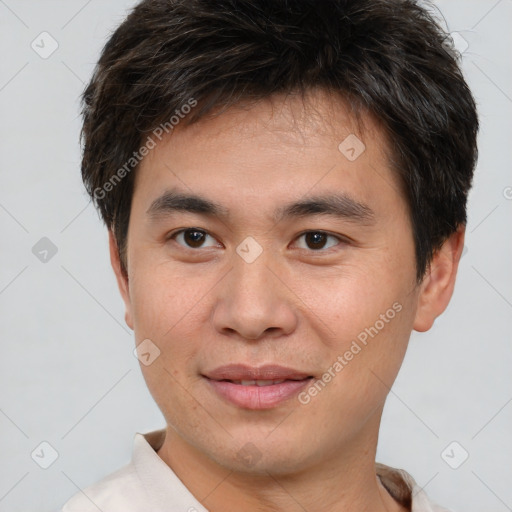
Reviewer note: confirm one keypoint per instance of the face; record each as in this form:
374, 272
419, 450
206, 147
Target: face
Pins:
282, 298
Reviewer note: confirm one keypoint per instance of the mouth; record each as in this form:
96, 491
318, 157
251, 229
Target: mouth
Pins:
260, 383
256, 388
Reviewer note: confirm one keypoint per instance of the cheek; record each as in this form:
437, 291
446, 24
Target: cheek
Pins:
349, 299
168, 313
162, 298
364, 321
360, 371
170, 308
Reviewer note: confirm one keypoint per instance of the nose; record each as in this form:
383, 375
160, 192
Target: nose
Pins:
253, 302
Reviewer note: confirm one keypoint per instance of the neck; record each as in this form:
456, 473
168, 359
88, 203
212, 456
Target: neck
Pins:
346, 481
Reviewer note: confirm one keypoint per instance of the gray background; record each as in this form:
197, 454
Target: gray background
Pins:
67, 372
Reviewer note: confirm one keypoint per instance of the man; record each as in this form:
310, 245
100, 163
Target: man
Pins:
285, 186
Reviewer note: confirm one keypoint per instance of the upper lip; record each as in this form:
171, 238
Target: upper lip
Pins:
245, 372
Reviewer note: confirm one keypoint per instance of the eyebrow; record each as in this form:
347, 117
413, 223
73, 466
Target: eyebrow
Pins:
340, 206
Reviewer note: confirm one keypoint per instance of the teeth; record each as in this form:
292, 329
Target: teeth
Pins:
258, 382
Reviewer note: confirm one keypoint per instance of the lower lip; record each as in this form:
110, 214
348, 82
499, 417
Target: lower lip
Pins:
258, 397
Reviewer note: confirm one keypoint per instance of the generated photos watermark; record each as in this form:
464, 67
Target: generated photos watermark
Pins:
355, 348
136, 158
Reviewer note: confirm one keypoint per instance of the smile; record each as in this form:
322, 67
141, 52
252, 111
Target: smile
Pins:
256, 388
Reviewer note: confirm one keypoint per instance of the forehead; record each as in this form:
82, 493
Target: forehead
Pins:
294, 119
273, 151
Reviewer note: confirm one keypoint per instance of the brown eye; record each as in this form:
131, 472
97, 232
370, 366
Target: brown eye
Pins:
192, 238
317, 240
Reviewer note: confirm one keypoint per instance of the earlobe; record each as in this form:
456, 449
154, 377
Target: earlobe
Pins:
121, 277
437, 287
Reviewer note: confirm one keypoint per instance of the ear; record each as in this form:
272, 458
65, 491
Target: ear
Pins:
122, 278
437, 286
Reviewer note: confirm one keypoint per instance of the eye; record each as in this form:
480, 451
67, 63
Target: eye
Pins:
317, 240
192, 238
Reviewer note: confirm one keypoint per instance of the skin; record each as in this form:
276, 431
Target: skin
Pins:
295, 305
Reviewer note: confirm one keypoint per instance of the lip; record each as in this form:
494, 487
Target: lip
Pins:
245, 372
253, 396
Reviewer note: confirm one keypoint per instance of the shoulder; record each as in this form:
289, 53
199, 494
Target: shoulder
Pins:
120, 490
437, 508
404, 489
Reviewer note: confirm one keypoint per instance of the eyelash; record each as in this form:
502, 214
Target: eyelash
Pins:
340, 239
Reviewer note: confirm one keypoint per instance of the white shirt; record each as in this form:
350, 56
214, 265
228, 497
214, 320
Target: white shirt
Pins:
148, 484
